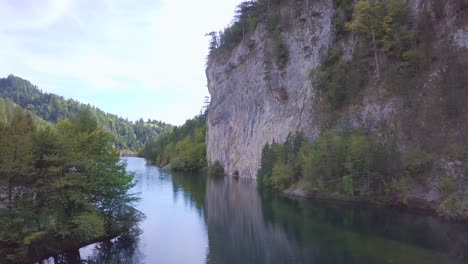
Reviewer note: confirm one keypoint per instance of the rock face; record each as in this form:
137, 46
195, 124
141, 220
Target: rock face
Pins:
248, 108
255, 100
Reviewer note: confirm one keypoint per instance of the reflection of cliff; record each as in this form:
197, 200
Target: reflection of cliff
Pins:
246, 228
237, 231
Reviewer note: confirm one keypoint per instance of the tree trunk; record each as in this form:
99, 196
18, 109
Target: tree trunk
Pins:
243, 31
376, 56
10, 192
72, 256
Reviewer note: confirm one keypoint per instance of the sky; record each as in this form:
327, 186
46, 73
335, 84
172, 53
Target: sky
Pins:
134, 58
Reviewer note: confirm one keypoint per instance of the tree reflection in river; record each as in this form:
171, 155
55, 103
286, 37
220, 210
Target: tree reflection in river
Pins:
121, 250
196, 219
246, 226
192, 187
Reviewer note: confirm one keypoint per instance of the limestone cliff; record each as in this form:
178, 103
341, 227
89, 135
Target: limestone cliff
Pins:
247, 110
255, 100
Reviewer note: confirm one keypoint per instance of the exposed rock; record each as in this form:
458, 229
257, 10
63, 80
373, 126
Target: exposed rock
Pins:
248, 108
166, 168
252, 104
461, 38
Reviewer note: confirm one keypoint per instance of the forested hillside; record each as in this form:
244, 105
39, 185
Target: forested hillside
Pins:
8, 108
183, 148
51, 107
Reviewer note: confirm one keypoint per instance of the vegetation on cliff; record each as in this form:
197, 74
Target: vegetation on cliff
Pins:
352, 165
388, 47
130, 136
248, 15
391, 44
339, 161
59, 186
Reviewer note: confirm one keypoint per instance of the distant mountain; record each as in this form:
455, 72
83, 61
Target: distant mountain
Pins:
51, 107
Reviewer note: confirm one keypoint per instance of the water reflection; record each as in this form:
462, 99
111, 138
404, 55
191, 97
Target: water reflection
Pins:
236, 228
192, 187
174, 230
122, 250
245, 226
411, 230
194, 219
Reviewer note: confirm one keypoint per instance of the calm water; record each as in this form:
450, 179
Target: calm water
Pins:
194, 219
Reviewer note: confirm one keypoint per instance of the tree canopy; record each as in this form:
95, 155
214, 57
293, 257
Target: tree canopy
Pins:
59, 187
183, 147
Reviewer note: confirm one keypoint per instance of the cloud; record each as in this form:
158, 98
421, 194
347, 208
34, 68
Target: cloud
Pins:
27, 14
89, 48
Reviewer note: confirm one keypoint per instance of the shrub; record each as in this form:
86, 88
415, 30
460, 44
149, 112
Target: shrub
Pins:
343, 14
348, 187
337, 161
453, 207
183, 147
416, 162
447, 185
282, 176
401, 186
215, 169
277, 159
279, 49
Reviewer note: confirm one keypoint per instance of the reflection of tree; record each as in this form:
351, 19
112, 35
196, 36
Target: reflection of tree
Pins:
339, 221
121, 250
245, 227
192, 187
376, 232
69, 257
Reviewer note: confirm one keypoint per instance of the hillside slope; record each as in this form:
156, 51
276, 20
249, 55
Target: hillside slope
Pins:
128, 135
8, 108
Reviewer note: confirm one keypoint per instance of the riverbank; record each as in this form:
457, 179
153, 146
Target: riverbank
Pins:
409, 204
230, 220
66, 249
129, 155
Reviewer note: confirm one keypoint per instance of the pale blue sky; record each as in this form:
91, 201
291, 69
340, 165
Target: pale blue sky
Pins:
133, 58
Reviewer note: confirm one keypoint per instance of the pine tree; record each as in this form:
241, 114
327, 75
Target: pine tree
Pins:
16, 160
365, 22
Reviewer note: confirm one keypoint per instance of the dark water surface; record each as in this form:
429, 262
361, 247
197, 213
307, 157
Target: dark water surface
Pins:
194, 219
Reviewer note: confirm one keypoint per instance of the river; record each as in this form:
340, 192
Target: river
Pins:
196, 219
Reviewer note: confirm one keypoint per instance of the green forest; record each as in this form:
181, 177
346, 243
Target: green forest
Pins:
7, 109
347, 164
338, 162
183, 147
128, 136
60, 186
